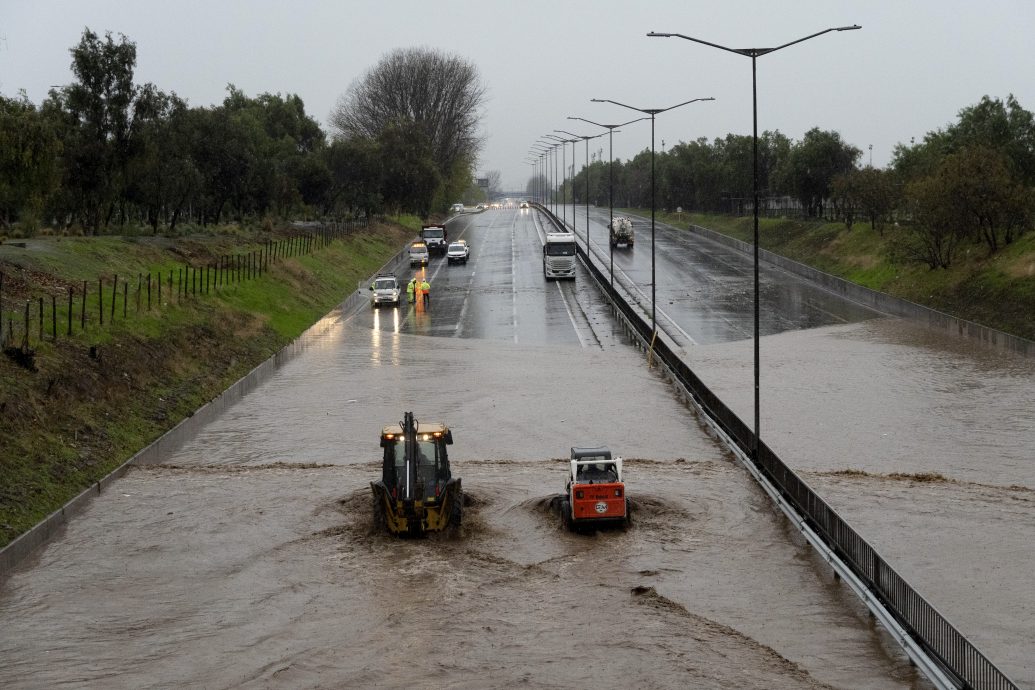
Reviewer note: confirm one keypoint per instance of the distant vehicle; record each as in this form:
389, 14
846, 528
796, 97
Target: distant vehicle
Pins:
621, 232
384, 290
458, 251
479, 207
418, 254
594, 492
435, 236
559, 255
456, 208
524, 204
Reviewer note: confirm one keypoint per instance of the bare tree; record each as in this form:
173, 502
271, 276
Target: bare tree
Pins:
495, 186
441, 94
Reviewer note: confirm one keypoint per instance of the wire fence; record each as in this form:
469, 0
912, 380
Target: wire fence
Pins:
100, 302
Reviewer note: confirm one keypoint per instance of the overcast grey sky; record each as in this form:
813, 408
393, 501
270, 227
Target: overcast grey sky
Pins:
910, 69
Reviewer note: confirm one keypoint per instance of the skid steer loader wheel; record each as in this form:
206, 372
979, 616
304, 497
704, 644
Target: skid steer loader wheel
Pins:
566, 515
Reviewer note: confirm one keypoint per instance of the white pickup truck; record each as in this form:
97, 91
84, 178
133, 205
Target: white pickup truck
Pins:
458, 251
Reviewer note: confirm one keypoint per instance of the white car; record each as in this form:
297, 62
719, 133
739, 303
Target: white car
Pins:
458, 251
456, 208
384, 290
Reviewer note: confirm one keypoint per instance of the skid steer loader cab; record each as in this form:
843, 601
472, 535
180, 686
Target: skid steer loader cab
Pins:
417, 492
595, 490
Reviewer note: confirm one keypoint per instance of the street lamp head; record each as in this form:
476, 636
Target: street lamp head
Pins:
853, 27
655, 34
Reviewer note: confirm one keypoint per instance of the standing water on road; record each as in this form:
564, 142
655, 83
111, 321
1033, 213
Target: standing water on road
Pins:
248, 558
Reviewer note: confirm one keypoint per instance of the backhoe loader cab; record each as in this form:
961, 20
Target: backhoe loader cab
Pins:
417, 492
594, 494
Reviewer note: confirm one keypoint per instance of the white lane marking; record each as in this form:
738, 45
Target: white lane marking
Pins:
470, 281
595, 246
571, 317
513, 279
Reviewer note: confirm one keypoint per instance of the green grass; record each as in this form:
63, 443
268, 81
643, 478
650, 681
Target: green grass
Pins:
997, 291
101, 395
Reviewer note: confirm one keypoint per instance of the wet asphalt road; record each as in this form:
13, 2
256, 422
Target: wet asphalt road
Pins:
247, 559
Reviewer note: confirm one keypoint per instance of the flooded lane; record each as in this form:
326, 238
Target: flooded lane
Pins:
924, 444
248, 559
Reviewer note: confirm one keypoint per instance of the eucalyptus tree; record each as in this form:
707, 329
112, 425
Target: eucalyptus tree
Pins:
437, 94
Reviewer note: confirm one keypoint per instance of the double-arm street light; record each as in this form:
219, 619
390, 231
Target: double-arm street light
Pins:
586, 139
652, 112
564, 173
534, 162
543, 152
754, 53
610, 186
548, 148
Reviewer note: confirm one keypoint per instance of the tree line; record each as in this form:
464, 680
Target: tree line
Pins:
971, 182
104, 153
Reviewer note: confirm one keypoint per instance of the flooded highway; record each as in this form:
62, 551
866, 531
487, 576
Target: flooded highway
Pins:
248, 558
922, 441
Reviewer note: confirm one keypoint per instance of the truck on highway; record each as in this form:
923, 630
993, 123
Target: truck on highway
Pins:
559, 255
417, 492
621, 232
594, 492
436, 237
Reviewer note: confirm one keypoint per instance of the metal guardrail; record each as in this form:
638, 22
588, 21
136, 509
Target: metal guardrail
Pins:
947, 646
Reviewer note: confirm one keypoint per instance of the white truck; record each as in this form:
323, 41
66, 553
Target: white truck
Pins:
436, 237
559, 255
621, 232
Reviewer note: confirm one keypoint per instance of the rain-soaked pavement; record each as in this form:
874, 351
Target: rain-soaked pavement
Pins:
248, 557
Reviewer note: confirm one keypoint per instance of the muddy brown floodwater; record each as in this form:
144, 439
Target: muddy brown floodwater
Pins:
926, 445
248, 559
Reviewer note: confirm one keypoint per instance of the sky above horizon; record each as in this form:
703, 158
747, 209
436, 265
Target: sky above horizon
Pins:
910, 69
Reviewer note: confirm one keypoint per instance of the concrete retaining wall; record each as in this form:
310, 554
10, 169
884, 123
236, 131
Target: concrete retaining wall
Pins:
880, 301
174, 439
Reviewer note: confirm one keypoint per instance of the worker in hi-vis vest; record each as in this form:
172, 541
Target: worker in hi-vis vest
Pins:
425, 287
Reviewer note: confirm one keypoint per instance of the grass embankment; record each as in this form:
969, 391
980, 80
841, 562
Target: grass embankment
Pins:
99, 396
996, 291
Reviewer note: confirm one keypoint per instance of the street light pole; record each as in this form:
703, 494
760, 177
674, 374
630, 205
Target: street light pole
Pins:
585, 139
564, 170
544, 151
653, 282
754, 53
610, 186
